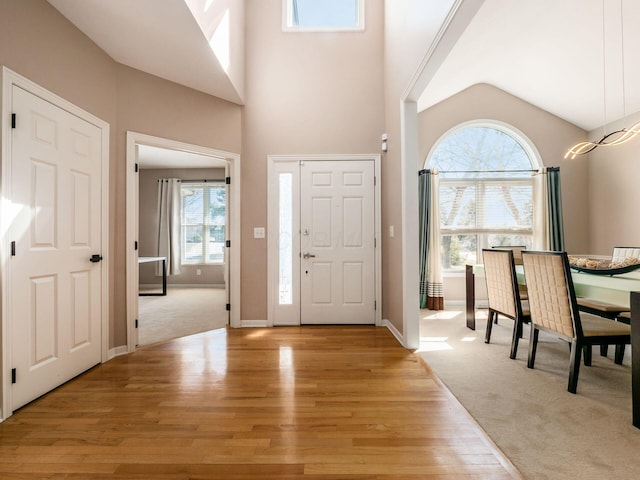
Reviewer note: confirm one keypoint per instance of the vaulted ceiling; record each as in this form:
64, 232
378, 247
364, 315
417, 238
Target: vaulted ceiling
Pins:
546, 52
550, 54
166, 38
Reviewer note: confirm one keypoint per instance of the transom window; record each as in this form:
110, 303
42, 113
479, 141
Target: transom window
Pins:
203, 218
323, 15
486, 192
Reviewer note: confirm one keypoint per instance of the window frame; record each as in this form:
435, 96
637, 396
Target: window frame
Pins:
482, 234
288, 26
208, 185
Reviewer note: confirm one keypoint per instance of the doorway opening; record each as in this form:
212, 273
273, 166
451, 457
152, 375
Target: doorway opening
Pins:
190, 286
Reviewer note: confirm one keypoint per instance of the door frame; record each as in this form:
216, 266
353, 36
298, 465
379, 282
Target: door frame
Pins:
232, 266
272, 241
9, 80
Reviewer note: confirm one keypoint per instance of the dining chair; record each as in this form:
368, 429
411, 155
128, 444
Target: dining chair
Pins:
517, 260
503, 293
516, 249
605, 309
553, 307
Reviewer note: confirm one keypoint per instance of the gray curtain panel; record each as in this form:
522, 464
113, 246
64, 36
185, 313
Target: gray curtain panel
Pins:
169, 224
554, 197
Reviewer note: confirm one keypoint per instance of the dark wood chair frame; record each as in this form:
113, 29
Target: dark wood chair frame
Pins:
611, 314
579, 342
520, 318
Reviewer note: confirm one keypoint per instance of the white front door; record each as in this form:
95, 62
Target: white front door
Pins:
55, 290
337, 242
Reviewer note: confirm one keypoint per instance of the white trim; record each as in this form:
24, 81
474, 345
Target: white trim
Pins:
287, 21
272, 244
232, 161
394, 331
254, 323
9, 79
458, 19
118, 351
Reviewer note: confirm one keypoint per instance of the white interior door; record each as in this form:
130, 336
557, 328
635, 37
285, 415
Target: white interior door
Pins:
55, 290
337, 242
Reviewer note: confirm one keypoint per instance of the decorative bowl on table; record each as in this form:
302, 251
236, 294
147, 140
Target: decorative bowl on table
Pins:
603, 267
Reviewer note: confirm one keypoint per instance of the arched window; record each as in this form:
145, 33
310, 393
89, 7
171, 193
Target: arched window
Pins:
486, 190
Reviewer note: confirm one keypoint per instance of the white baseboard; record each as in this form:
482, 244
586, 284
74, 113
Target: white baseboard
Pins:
394, 331
117, 351
253, 323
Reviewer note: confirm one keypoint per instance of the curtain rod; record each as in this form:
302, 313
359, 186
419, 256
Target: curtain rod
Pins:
220, 180
537, 170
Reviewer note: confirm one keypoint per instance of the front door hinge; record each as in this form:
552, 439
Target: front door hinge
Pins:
375, 242
137, 167
13, 248
135, 245
136, 323
13, 120
227, 180
14, 376
228, 307
228, 243
375, 305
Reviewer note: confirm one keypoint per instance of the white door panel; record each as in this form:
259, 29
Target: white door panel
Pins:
337, 218
55, 311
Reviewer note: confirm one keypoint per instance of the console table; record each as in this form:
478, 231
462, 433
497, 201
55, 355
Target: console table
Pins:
164, 274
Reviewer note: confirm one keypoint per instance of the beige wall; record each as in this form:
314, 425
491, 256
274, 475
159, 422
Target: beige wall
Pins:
148, 226
614, 196
40, 44
306, 93
551, 136
153, 106
409, 27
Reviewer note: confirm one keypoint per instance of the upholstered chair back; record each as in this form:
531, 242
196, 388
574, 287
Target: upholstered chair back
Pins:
501, 291
549, 297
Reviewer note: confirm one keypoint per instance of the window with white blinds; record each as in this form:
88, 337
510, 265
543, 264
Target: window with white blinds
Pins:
486, 193
203, 218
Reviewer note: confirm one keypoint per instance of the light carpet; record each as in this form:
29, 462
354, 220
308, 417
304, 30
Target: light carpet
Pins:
547, 432
183, 311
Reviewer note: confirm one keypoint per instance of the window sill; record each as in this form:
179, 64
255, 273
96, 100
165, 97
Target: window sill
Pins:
222, 264
453, 274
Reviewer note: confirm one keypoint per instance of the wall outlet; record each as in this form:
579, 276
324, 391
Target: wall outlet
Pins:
391, 231
258, 232
198, 271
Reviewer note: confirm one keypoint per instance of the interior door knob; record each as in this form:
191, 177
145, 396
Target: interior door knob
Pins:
308, 255
95, 258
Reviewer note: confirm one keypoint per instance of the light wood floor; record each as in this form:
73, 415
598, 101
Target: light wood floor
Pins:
282, 403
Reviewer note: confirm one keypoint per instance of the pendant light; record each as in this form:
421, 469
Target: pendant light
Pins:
617, 137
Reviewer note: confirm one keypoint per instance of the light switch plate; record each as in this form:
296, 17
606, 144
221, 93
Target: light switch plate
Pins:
258, 232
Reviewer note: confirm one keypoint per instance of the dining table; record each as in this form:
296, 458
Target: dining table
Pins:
622, 289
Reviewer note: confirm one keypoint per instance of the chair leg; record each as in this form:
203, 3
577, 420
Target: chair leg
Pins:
574, 367
517, 333
587, 355
619, 354
495, 319
533, 344
487, 335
